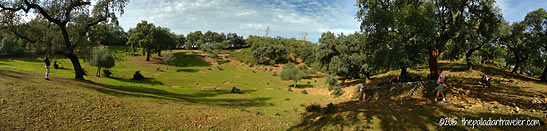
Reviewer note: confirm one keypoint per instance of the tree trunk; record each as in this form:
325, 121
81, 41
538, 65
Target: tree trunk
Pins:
295, 82
403, 74
143, 51
433, 65
515, 69
544, 75
468, 60
79, 72
159, 53
148, 55
98, 71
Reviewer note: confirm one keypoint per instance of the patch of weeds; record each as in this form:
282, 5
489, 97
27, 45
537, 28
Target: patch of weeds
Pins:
289, 89
274, 74
254, 71
219, 68
259, 113
287, 99
304, 92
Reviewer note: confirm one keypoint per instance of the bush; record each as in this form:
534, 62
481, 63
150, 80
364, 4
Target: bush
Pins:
331, 80
274, 74
330, 108
304, 92
107, 73
338, 91
219, 68
313, 108
236, 91
289, 89
137, 76
55, 65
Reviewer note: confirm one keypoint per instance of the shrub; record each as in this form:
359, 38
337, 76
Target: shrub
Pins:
219, 68
236, 91
331, 80
338, 91
313, 108
137, 76
274, 74
169, 59
289, 89
254, 71
287, 99
55, 65
330, 108
101, 58
107, 73
304, 92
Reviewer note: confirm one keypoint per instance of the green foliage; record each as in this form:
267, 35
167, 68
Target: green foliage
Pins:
331, 81
338, 91
344, 56
108, 34
137, 76
101, 58
304, 92
169, 58
236, 91
107, 73
330, 108
294, 73
313, 108
10, 45
270, 53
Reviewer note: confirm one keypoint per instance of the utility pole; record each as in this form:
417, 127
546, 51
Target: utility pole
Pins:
267, 30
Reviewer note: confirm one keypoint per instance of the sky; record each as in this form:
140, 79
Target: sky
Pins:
285, 18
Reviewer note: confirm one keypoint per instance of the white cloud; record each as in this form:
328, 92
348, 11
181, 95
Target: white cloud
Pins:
285, 18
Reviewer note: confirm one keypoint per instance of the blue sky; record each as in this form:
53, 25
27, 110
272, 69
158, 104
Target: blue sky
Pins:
286, 18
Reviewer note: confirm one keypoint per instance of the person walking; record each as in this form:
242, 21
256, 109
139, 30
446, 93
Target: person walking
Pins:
440, 82
46, 60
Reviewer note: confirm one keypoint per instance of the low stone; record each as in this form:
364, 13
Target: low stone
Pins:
517, 109
317, 118
476, 105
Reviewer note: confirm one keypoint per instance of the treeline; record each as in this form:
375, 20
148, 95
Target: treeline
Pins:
154, 39
267, 50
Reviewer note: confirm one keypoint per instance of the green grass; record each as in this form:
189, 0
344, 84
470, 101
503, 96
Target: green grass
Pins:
244, 55
177, 86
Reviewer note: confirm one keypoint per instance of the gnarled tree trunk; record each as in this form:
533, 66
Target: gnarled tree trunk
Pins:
79, 72
433, 65
544, 75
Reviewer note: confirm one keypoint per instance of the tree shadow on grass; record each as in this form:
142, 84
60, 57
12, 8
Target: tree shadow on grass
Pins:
301, 86
187, 60
187, 70
150, 81
486, 69
201, 97
404, 114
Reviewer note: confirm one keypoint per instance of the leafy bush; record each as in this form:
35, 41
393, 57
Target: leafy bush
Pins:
330, 108
313, 108
169, 59
289, 89
338, 91
107, 73
55, 65
236, 91
304, 92
219, 68
331, 80
101, 58
137, 76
